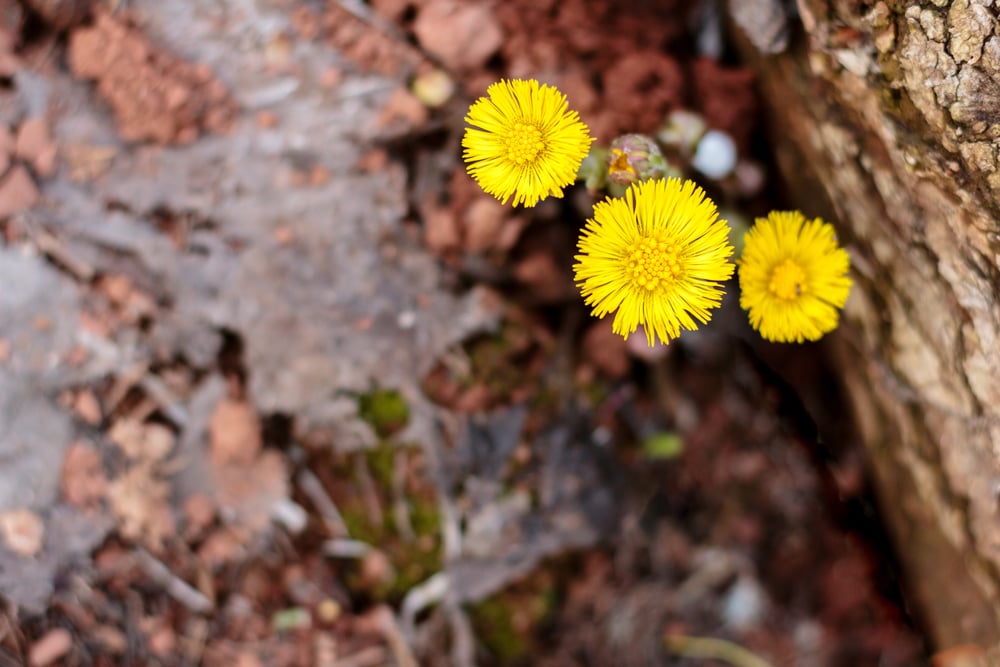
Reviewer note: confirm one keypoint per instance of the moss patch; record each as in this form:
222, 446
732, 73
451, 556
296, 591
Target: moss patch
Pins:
385, 409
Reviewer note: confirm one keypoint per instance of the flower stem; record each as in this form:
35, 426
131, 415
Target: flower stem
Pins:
713, 649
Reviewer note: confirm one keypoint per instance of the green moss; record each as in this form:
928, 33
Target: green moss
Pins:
385, 409
491, 361
359, 525
414, 560
382, 464
511, 641
425, 517
494, 625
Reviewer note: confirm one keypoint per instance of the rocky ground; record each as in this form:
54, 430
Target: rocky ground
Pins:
279, 385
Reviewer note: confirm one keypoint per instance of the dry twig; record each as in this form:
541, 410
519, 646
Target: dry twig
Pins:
323, 503
175, 587
713, 649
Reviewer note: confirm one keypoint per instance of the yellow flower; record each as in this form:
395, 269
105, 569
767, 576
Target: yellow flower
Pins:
793, 277
524, 142
658, 257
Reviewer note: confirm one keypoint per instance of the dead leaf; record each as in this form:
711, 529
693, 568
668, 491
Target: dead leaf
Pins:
87, 161
222, 546
484, 220
248, 493
462, 35
234, 433
199, 512
605, 349
441, 230
546, 280
87, 407
402, 113
140, 498
83, 482
141, 441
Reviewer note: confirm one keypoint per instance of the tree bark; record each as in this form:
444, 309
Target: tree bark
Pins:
889, 112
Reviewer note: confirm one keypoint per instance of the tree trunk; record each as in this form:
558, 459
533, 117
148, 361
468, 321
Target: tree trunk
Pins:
890, 113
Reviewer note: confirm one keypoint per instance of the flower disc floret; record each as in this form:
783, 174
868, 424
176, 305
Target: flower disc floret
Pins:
793, 277
657, 257
523, 142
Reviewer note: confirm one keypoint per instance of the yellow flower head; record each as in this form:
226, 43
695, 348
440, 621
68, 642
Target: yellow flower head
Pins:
524, 142
793, 277
658, 257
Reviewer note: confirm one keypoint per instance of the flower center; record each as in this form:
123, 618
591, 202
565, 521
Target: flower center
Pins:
653, 263
787, 281
524, 143
619, 164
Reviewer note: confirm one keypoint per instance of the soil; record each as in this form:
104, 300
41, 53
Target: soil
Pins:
284, 387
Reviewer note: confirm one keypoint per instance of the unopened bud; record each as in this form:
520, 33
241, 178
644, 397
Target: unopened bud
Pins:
635, 157
682, 130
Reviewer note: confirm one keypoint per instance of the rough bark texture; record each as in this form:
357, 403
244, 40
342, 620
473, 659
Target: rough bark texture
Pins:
890, 112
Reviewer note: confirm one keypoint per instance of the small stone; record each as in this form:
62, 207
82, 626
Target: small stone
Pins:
163, 641
394, 10
110, 638
715, 155
17, 191
199, 510
220, 547
53, 645
34, 145
319, 175
331, 78
433, 87
87, 407
373, 161
682, 130
750, 177
328, 610
605, 349
266, 120
117, 287
234, 432
639, 347
484, 221
401, 112
23, 531
441, 232
510, 232
376, 569
462, 35
539, 272
247, 659
7, 141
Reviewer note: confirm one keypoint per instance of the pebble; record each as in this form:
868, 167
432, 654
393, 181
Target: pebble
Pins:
53, 645
716, 155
